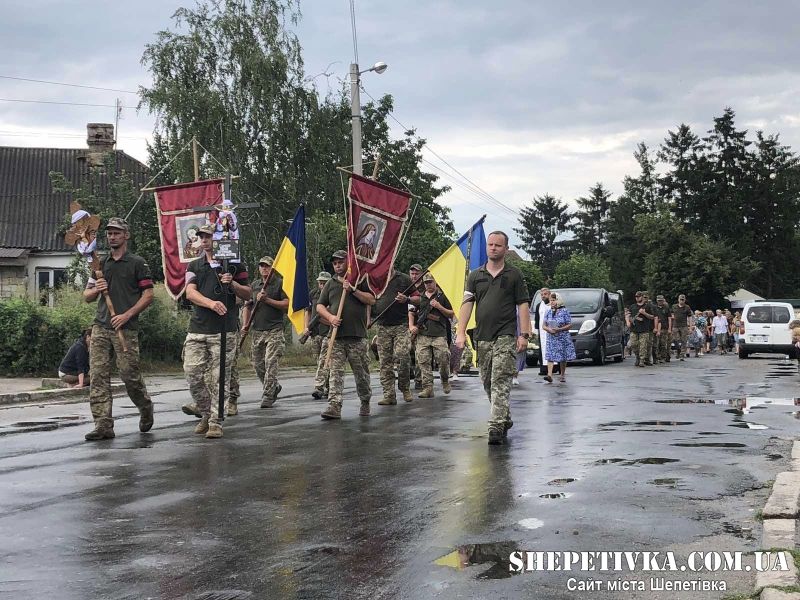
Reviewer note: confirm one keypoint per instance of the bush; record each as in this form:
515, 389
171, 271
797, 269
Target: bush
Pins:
36, 338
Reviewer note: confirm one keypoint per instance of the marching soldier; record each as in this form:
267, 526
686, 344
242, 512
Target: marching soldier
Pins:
414, 272
496, 290
394, 342
682, 313
351, 338
640, 322
318, 331
433, 321
126, 278
663, 329
201, 350
269, 342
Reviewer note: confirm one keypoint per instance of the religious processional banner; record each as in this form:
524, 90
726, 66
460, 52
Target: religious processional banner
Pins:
378, 213
178, 223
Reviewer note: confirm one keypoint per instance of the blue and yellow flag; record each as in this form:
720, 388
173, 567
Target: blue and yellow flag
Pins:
290, 262
450, 269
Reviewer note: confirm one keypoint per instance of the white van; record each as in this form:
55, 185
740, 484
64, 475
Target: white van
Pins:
765, 328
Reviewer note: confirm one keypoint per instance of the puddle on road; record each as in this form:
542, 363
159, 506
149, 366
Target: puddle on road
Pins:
709, 445
646, 423
742, 405
556, 496
48, 424
671, 482
748, 425
636, 461
495, 553
561, 481
531, 523
738, 531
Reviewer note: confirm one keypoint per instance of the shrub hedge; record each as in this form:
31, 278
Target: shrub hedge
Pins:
35, 338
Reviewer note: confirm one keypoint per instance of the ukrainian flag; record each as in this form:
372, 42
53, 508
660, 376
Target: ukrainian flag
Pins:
450, 269
290, 262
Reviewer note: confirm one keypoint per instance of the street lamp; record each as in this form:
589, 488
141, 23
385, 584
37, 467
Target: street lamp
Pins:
355, 109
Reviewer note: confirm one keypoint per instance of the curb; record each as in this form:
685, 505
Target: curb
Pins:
780, 529
55, 395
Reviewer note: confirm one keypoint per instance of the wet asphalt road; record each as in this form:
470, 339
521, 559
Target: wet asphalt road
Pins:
396, 505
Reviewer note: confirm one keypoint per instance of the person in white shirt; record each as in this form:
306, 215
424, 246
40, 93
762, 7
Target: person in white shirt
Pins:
720, 326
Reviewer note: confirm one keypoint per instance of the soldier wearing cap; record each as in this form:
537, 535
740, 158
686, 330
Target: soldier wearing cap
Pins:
268, 341
639, 318
663, 330
393, 339
319, 338
351, 338
415, 273
431, 329
681, 313
127, 279
209, 290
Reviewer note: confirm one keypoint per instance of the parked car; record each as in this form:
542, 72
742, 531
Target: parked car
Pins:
598, 322
532, 353
765, 328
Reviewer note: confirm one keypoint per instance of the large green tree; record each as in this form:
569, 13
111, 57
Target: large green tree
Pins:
543, 225
583, 270
591, 221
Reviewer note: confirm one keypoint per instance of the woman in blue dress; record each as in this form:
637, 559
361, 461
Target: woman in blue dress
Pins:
560, 348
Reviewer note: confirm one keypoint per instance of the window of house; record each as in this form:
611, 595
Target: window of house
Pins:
48, 280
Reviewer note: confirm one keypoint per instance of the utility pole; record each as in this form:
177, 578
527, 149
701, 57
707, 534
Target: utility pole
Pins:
355, 111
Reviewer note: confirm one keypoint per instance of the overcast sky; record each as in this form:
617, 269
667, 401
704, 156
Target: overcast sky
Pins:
522, 97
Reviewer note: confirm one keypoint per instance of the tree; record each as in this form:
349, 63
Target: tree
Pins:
531, 273
643, 190
543, 222
683, 183
583, 271
591, 221
679, 261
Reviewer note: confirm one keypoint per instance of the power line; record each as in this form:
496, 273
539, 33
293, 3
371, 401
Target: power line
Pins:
61, 103
486, 195
77, 85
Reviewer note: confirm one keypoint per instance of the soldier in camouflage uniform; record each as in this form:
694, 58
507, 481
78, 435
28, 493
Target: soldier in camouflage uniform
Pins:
431, 330
663, 331
640, 321
269, 342
127, 279
213, 303
496, 290
394, 340
351, 338
415, 274
319, 338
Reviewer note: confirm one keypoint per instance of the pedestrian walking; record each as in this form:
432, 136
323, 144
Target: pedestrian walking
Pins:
560, 348
736, 326
127, 279
350, 345
318, 330
721, 326
640, 320
202, 351
266, 313
539, 313
697, 339
663, 330
394, 339
431, 331
496, 291
681, 313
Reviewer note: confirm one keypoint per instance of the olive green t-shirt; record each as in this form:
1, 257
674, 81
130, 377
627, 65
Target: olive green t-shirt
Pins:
397, 313
206, 278
639, 323
354, 313
127, 278
681, 315
321, 328
496, 300
268, 317
662, 313
436, 323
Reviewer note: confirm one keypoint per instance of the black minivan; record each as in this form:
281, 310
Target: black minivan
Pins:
598, 322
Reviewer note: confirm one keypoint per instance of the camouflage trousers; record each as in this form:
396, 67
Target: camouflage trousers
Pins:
497, 361
234, 367
201, 356
428, 349
662, 345
681, 337
268, 347
640, 342
319, 343
353, 351
394, 347
105, 343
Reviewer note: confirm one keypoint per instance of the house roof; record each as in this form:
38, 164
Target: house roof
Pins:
13, 252
30, 212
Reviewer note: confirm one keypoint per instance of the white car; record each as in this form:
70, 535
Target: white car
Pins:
765, 328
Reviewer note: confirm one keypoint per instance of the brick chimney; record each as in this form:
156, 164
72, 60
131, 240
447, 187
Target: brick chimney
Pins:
100, 139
